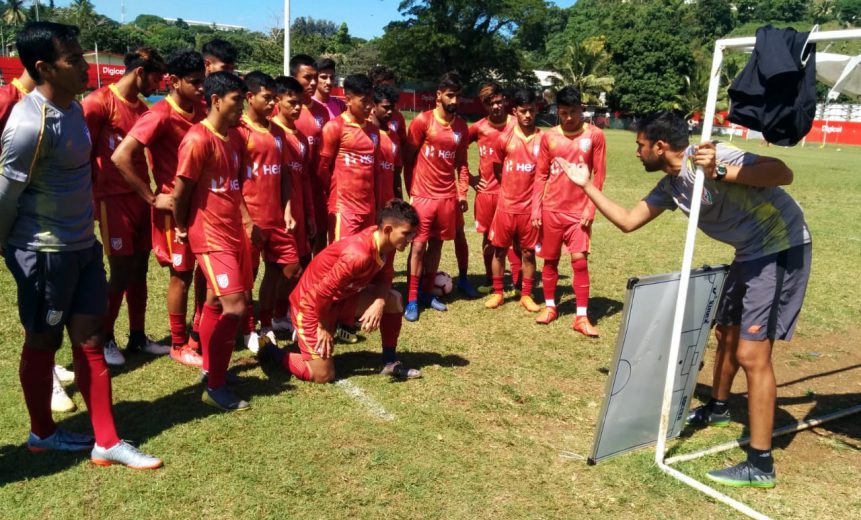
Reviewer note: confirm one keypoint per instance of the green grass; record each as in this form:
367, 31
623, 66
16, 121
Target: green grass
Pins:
480, 436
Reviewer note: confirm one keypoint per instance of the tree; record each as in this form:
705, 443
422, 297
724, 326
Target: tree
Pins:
585, 66
849, 11
15, 13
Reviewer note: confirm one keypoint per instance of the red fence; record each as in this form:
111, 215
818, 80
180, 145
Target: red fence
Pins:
829, 132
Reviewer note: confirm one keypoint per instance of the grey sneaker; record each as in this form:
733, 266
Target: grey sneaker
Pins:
61, 440
400, 371
224, 399
703, 416
124, 454
744, 474
113, 356
147, 345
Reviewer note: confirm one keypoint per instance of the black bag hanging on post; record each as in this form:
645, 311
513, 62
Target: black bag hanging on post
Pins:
776, 92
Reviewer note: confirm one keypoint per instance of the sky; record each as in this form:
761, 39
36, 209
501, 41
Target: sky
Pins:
266, 14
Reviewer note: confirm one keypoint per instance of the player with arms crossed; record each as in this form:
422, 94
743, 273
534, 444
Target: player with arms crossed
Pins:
437, 176
353, 275
124, 217
47, 238
563, 212
160, 130
515, 161
326, 79
744, 207
211, 214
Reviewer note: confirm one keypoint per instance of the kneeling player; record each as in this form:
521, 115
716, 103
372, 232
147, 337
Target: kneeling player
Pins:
352, 277
515, 162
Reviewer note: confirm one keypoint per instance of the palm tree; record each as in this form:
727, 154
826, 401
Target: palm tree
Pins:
15, 14
585, 65
83, 12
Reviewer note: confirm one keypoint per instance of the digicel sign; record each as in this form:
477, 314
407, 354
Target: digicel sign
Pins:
112, 70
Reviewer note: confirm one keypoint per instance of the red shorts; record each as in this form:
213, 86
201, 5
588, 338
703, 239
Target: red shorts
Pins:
227, 272
306, 325
345, 224
558, 229
508, 227
278, 247
437, 218
485, 208
124, 224
169, 251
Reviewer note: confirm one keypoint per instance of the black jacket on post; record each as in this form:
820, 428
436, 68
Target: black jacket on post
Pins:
776, 92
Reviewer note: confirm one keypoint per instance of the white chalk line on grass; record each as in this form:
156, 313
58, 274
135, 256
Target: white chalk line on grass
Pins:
375, 408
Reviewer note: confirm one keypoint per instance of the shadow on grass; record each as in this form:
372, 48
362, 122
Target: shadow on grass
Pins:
137, 421
599, 307
367, 363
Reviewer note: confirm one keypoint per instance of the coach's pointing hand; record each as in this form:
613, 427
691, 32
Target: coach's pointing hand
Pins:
578, 173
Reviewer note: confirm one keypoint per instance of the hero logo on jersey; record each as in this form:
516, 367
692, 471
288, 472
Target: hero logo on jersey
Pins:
585, 144
222, 280
53, 317
116, 244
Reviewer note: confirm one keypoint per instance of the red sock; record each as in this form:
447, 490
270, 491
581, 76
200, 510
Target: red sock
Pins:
461, 251
94, 382
136, 296
178, 334
282, 306
499, 285
427, 285
115, 300
413, 291
248, 321
296, 365
390, 328
581, 281
516, 266
37, 383
217, 334
527, 286
549, 278
265, 318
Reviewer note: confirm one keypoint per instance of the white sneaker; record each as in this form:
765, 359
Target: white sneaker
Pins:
269, 334
60, 401
149, 346
64, 375
282, 325
252, 342
113, 356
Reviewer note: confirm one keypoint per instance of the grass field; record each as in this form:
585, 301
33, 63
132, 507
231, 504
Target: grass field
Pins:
482, 435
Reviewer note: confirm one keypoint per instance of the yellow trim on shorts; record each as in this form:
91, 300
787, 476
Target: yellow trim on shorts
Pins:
211, 274
168, 232
300, 331
337, 226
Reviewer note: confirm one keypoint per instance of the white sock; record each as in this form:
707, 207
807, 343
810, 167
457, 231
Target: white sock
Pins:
581, 311
550, 303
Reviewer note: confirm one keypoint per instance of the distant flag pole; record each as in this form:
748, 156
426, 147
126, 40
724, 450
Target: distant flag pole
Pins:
286, 37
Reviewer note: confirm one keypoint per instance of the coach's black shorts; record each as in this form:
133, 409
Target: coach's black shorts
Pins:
54, 286
763, 296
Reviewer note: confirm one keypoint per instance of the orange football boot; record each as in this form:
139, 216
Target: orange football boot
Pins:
583, 326
547, 316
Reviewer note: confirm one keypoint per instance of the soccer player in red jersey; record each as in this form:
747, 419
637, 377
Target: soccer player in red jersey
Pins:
325, 81
351, 277
348, 161
485, 132
390, 161
124, 217
437, 176
312, 119
211, 215
560, 207
12, 93
218, 55
266, 188
515, 160
382, 75
160, 130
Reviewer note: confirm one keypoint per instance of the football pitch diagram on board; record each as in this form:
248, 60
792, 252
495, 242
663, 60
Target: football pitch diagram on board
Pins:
632, 400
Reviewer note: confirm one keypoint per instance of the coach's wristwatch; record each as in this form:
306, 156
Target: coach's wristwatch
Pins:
720, 172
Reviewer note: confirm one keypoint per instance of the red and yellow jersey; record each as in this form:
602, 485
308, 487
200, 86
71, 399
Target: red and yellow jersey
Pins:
312, 119
212, 161
440, 170
518, 155
109, 118
350, 151
398, 125
161, 129
297, 161
554, 191
485, 133
10, 95
341, 271
390, 162
263, 158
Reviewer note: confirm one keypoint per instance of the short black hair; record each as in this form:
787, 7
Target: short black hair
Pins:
523, 96
284, 84
256, 80
381, 73
450, 81
42, 41
325, 64
183, 62
398, 211
145, 57
221, 83
220, 49
666, 126
385, 92
358, 85
489, 90
569, 97
301, 60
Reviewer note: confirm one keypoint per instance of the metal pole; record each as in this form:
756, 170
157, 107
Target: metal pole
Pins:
286, 37
98, 68
36, 4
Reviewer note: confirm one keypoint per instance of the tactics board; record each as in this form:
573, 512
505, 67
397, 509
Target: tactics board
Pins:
632, 400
